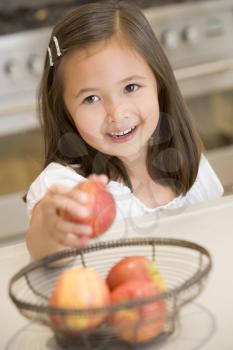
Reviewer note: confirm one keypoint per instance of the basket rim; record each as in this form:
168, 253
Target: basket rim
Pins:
72, 252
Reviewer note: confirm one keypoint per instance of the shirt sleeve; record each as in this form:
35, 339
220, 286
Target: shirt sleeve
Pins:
207, 185
54, 173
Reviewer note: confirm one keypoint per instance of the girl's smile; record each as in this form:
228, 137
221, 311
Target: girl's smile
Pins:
111, 108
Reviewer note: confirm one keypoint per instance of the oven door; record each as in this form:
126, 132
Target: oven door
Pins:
208, 91
21, 154
197, 38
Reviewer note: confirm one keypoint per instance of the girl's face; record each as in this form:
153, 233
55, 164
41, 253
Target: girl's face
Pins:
111, 94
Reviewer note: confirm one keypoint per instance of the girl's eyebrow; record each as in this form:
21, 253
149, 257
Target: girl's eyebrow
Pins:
83, 91
132, 77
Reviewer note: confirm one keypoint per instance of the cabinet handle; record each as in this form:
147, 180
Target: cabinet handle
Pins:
204, 69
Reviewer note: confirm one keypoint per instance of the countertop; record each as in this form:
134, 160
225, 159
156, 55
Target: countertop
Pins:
204, 324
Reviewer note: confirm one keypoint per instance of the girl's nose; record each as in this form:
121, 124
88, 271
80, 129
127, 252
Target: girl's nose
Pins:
117, 110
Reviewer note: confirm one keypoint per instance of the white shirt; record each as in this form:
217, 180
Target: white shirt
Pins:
207, 186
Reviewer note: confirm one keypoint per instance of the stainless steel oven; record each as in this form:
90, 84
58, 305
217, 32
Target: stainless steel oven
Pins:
198, 40
21, 148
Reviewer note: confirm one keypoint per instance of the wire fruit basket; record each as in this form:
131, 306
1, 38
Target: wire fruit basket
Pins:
183, 265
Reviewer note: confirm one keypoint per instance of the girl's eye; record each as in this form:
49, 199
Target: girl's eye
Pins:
132, 87
90, 99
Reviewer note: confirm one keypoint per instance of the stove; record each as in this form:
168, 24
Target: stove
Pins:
191, 32
21, 15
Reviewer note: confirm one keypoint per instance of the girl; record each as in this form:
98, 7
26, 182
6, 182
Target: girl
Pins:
110, 105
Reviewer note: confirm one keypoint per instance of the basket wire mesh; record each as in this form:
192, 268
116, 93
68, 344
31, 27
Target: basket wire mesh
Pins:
184, 266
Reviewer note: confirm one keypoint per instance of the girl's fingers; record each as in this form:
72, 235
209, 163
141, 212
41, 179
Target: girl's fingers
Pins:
80, 196
64, 227
72, 241
68, 233
59, 189
75, 193
77, 242
99, 178
69, 205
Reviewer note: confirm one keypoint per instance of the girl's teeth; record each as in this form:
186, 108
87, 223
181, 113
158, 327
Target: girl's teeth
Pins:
121, 133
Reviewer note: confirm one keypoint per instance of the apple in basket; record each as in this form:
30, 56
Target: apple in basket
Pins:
79, 288
101, 204
141, 323
134, 267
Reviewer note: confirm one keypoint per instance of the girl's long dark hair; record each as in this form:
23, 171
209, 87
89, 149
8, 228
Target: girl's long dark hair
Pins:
174, 149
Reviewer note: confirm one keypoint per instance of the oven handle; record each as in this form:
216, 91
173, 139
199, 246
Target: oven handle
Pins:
205, 69
17, 123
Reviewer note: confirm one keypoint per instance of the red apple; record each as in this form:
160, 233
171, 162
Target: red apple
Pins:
101, 204
79, 288
141, 323
134, 267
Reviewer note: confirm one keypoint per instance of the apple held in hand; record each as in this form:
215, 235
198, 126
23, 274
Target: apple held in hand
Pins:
141, 323
79, 288
134, 267
101, 204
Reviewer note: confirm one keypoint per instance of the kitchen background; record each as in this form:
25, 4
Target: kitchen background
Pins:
197, 37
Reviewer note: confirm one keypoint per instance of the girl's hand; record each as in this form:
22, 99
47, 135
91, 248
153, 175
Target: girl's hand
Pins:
59, 199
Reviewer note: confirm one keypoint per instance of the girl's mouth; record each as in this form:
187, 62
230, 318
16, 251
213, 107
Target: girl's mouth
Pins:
123, 136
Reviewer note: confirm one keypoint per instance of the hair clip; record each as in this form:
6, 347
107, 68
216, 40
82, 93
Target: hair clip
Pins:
57, 46
50, 57
50, 51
